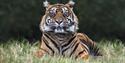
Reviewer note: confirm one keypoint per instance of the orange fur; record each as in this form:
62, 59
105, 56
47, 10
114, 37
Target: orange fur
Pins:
78, 47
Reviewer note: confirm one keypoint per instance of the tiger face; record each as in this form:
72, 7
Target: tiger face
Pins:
59, 18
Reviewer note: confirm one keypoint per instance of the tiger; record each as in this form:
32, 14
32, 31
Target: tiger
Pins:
59, 28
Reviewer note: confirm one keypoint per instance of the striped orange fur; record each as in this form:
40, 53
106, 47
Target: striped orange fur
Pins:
59, 28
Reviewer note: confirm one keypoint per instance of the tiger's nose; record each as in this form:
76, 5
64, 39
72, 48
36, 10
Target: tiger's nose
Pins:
59, 21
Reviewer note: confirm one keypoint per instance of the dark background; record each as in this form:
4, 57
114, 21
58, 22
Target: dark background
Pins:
99, 19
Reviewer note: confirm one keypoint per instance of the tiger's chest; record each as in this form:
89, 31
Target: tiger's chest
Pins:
63, 47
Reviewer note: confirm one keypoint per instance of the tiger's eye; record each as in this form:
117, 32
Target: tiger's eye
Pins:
66, 13
52, 13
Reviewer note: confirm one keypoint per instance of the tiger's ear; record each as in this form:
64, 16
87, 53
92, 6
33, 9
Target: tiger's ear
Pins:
71, 3
46, 4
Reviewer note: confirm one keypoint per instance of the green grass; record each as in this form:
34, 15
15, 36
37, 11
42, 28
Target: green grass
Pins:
15, 51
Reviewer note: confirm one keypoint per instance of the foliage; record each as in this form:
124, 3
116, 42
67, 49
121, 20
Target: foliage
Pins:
15, 51
98, 18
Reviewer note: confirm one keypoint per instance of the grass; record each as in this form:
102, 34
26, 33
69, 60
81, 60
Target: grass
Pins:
15, 51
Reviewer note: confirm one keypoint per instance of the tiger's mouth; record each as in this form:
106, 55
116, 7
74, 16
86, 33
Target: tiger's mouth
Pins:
58, 29
63, 27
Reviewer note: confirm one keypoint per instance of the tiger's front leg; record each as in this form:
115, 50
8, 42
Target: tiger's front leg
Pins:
40, 53
84, 55
42, 50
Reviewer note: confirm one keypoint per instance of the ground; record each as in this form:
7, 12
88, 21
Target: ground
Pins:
14, 51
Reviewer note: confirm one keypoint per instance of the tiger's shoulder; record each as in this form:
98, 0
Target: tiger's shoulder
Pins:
84, 38
93, 47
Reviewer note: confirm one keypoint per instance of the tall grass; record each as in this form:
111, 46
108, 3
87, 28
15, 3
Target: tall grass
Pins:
15, 51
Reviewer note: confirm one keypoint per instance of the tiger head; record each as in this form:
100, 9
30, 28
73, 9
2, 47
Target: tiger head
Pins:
59, 18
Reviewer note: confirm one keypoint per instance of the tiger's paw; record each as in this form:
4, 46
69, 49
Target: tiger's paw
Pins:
39, 53
84, 56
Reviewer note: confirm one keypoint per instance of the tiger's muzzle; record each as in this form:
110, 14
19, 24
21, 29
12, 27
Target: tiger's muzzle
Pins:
59, 19
62, 26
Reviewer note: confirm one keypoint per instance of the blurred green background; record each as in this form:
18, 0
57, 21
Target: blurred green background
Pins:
99, 19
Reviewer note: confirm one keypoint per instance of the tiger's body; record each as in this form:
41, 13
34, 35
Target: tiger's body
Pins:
67, 45
59, 28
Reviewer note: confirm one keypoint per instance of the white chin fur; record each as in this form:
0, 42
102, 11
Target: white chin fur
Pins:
59, 31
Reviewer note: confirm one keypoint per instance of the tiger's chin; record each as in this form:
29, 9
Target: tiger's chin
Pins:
64, 30
61, 31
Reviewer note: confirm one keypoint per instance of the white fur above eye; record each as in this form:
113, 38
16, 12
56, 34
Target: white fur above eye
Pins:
46, 3
71, 2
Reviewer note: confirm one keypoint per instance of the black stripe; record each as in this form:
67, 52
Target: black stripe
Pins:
45, 40
80, 53
94, 50
84, 42
48, 46
73, 43
44, 50
74, 49
68, 42
68, 46
87, 48
53, 42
